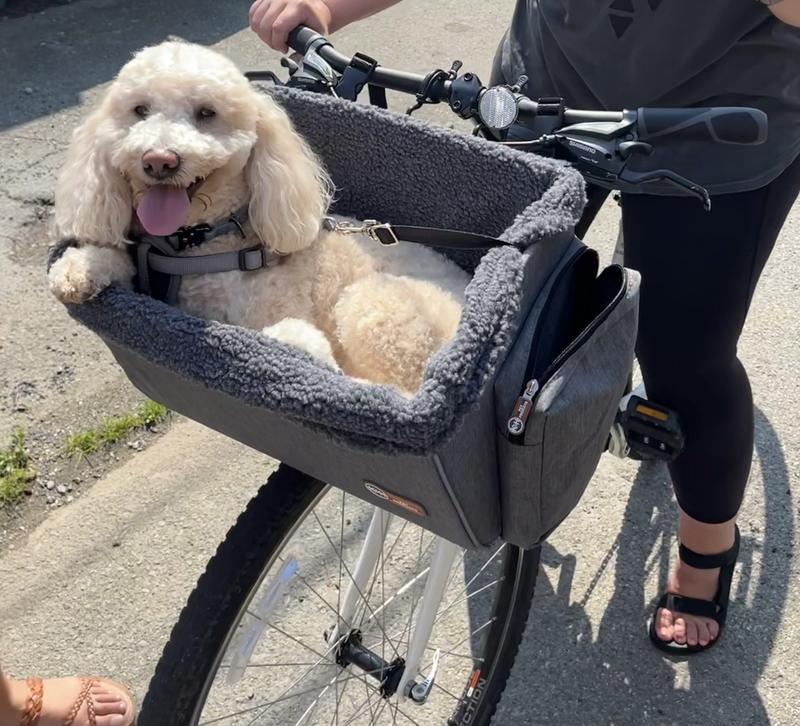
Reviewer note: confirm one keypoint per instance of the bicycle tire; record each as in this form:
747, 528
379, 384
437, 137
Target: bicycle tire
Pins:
182, 678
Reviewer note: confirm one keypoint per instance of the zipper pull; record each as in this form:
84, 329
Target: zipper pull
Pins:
522, 409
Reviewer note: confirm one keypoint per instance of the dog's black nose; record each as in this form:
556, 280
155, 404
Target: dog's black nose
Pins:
160, 164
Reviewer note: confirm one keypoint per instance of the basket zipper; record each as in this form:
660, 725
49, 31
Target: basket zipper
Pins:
525, 403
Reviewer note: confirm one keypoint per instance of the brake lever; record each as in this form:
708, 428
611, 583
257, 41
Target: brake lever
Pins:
264, 76
605, 158
670, 177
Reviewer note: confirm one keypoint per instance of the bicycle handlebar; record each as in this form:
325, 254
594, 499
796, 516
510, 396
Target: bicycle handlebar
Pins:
724, 125
731, 125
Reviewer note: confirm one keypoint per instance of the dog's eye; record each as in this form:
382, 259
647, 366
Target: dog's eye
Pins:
205, 113
141, 111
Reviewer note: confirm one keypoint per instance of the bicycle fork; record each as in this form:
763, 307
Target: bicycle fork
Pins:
398, 677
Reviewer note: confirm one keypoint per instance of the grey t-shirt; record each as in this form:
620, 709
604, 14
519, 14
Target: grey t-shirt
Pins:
615, 54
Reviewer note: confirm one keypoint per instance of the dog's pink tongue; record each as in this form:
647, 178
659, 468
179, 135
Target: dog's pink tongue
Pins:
163, 209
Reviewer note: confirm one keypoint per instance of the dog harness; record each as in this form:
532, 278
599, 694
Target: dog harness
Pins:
160, 268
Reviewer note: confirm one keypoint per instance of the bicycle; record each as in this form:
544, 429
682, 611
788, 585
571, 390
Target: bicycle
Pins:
408, 638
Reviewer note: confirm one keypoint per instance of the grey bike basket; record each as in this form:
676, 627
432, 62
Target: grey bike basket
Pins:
438, 449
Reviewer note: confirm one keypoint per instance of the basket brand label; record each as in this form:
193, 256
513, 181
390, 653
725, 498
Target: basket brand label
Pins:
408, 504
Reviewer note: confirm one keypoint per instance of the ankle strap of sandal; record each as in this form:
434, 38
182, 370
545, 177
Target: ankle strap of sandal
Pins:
709, 562
33, 706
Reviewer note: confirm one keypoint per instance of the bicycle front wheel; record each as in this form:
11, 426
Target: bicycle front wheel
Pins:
254, 646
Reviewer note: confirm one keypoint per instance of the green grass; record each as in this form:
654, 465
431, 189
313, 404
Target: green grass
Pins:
115, 429
15, 469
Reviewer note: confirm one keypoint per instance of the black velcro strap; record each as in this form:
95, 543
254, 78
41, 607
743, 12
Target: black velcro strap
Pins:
435, 237
377, 96
710, 562
356, 76
550, 106
689, 606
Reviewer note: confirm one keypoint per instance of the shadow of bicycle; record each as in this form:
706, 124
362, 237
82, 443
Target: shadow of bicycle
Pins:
567, 674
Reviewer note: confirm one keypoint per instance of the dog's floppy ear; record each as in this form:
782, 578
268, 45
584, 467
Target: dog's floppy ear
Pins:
92, 200
289, 189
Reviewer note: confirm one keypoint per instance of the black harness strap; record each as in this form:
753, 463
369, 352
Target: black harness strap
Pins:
160, 266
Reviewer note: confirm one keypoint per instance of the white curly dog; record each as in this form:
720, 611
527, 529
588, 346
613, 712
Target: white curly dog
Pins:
182, 138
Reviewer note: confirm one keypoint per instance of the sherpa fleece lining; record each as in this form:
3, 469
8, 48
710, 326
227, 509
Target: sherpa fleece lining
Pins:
394, 169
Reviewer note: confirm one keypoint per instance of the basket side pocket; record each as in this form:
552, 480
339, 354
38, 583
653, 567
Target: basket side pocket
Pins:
545, 469
577, 407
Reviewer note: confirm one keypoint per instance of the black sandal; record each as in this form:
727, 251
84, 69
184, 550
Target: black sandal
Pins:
716, 609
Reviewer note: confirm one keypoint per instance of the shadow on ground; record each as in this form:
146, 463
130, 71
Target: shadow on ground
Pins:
49, 58
575, 676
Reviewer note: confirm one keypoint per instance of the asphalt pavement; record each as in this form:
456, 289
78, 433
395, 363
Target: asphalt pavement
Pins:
98, 584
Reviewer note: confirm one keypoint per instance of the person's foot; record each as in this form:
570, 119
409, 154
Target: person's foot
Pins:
680, 627
61, 695
704, 539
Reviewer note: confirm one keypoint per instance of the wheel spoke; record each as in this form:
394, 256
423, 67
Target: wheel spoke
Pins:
263, 707
341, 562
355, 585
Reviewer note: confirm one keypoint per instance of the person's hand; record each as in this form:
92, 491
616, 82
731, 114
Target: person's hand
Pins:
273, 20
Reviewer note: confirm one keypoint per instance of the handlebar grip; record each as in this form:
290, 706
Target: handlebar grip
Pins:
302, 37
723, 125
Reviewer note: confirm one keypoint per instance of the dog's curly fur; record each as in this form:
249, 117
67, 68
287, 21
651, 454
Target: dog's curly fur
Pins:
376, 313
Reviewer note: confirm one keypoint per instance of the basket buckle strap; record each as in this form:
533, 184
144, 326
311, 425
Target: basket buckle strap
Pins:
358, 74
390, 234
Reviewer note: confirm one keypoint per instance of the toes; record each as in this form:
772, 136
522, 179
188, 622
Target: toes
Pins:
104, 696
109, 708
691, 632
115, 720
664, 627
107, 702
703, 636
679, 630
713, 629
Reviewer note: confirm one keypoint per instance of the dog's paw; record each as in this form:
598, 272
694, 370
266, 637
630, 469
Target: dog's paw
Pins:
81, 273
305, 336
70, 281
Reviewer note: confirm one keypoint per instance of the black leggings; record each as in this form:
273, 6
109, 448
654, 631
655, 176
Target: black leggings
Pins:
699, 270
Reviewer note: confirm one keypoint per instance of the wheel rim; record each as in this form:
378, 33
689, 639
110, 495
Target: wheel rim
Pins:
275, 665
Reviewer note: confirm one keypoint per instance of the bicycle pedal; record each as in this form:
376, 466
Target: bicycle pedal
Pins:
650, 431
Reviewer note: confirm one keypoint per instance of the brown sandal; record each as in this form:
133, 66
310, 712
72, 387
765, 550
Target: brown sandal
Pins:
33, 706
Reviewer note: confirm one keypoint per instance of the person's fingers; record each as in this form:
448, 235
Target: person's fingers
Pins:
284, 24
268, 22
257, 10
289, 19
263, 16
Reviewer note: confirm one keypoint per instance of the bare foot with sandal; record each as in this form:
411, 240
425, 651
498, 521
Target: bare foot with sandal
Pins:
65, 702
